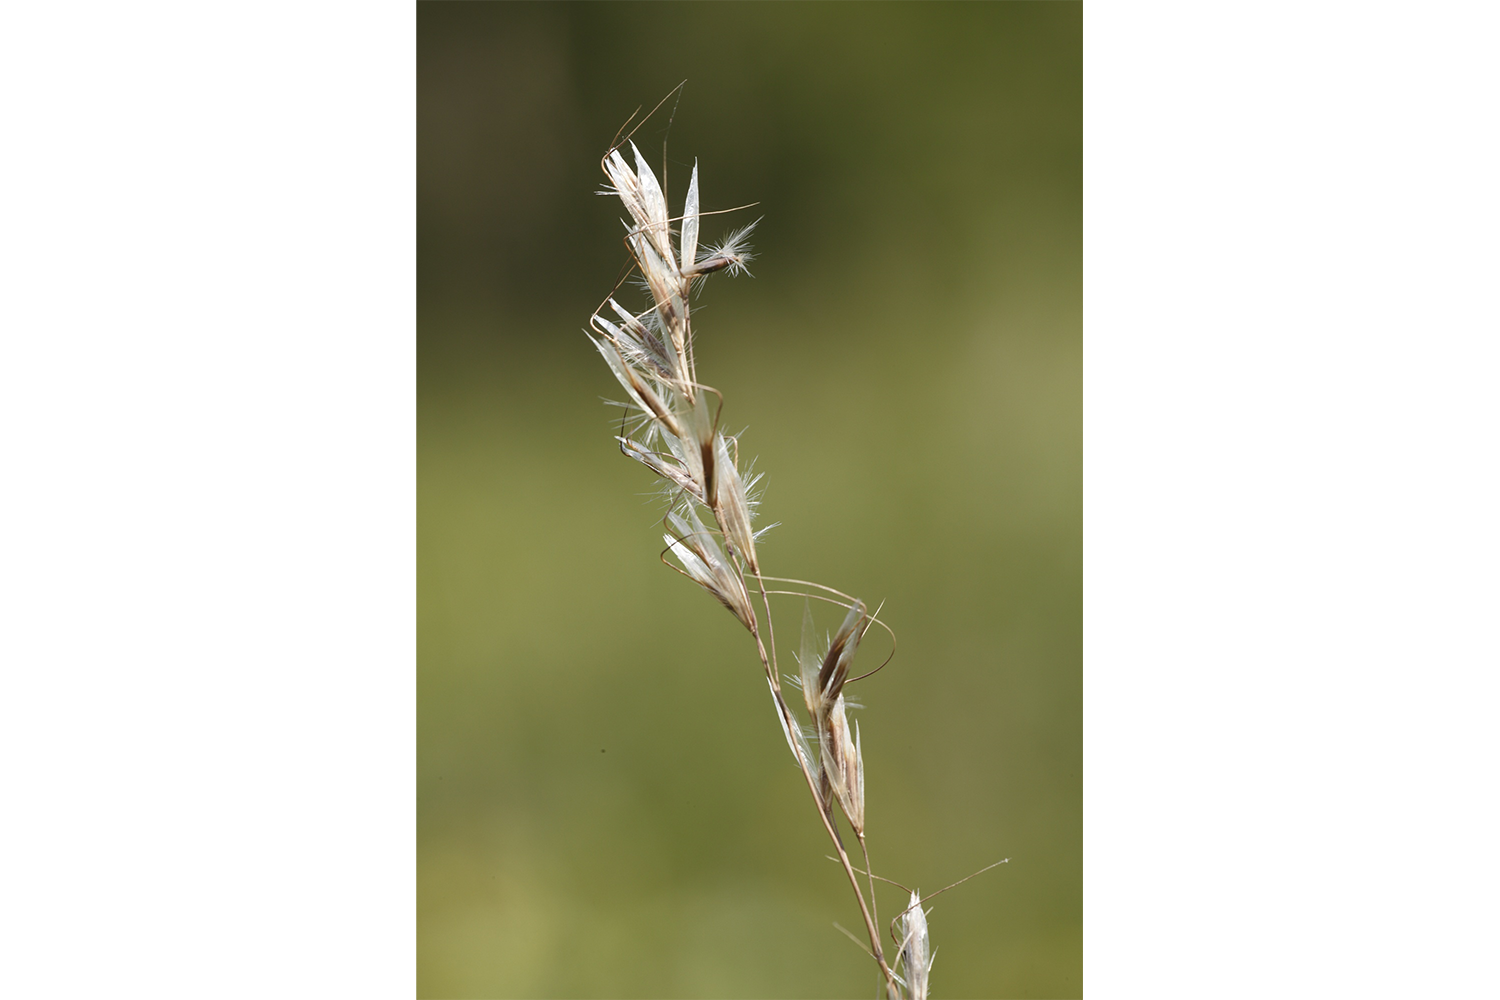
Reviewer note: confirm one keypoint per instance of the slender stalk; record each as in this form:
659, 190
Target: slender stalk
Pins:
874, 905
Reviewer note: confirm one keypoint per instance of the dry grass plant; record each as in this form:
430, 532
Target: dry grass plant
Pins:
672, 426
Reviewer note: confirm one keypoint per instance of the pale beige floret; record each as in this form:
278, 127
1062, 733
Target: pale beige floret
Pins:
835, 668
643, 199
699, 438
704, 562
807, 662
916, 949
843, 763
663, 467
640, 345
641, 392
733, 508
822, 677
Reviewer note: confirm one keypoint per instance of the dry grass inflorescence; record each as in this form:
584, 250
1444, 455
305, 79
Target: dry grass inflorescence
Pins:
672, 426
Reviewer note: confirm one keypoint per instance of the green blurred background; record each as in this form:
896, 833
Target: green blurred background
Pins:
606, 805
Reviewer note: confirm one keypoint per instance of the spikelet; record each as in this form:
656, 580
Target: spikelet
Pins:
808, 661
642, 197
704, 562
843, 765
639, 344
700, 439
646, 399
916, 949
689, 241
835, 667
664, 467
732, 508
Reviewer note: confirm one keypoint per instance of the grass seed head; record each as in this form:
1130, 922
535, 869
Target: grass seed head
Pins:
672, 427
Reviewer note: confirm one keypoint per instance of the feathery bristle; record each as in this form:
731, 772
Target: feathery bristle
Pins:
731, 255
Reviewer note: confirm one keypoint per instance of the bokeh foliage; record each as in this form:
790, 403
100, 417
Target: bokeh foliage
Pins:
606, 805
